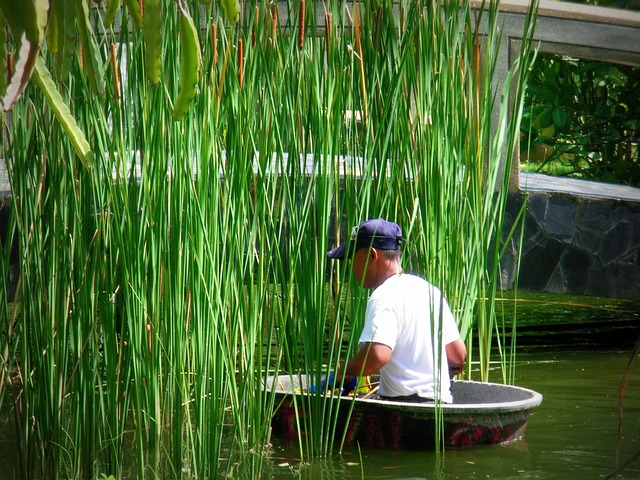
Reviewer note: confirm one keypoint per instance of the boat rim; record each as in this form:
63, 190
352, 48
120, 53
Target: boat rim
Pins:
533, 399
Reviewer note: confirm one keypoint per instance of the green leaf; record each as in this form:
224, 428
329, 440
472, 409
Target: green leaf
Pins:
544, 119
113, 6
134, 10
93, 61
41, 12
53, 30
549, 131
153, 38
231, 10
559, 117
43, 79
67, 31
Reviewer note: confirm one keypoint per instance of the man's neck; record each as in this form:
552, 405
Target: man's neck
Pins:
392, 268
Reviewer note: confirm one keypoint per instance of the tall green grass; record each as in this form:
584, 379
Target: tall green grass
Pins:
160, 286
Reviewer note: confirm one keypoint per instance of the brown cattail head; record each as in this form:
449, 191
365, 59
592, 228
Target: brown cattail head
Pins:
149, 335
378, 27
328, 32
116, 74
476, 57
476, 46
301, 21
10, 67
214, 42
255, 22
274, 22
240, 62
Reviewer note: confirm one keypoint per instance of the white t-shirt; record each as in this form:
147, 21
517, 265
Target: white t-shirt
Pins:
404, 314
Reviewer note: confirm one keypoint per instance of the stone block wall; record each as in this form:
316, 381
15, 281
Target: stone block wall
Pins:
577, 245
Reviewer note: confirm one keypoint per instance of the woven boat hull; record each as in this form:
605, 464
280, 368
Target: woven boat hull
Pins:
482, 414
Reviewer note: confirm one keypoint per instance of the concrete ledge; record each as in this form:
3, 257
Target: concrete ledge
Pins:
572, 11
537, 182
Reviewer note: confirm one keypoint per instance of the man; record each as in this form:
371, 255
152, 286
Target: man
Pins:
404, 320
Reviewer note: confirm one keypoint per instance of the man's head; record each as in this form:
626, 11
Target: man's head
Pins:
378, 233
374, 248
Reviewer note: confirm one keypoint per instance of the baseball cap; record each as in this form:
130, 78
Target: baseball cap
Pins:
376, 233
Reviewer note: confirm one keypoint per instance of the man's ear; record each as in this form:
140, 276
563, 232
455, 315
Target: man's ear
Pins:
373, 253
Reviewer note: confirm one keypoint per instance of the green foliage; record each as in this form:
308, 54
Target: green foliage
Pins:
586, 115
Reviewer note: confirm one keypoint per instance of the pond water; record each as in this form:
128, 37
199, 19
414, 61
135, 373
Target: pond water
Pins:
572, 434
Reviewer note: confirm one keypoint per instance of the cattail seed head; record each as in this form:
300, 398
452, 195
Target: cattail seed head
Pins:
10, 66
253, 31
274, 23
116, 74
214, 42
301, 21
240, 63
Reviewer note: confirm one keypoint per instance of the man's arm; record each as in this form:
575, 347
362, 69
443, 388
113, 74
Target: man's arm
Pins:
456, 354
367, 361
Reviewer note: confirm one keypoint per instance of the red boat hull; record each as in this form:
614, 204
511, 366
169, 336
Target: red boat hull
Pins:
482, 414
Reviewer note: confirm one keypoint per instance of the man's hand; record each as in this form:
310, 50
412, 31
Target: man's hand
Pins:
330, 383
456, 369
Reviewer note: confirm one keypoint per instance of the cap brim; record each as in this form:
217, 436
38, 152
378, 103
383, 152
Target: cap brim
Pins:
338, 253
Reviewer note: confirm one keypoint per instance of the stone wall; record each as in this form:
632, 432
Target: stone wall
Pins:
577, 243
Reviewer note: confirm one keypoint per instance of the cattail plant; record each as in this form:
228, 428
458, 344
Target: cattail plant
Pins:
174, 209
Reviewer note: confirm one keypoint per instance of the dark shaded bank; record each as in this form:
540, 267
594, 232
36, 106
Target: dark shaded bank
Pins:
565, 322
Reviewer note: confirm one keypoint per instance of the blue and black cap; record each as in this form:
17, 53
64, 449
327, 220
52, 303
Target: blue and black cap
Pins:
377, 233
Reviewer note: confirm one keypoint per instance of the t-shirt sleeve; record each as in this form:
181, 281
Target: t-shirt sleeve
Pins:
380, 324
